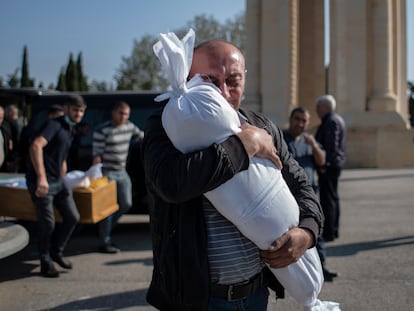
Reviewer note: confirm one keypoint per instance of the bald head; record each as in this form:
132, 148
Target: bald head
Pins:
215, 45
215, 52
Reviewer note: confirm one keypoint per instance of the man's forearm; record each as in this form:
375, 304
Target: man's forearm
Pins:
311, 226
36, 156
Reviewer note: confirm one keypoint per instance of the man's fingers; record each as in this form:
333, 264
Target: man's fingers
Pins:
277, 161
279, 243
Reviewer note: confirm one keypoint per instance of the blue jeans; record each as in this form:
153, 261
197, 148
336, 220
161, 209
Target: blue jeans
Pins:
53, 237
255, 302
124, 197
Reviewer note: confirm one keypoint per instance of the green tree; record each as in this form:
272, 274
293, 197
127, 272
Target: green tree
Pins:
206, 28
142, 71
25, 80
82, 80
13, 79
236, 31
72, 80
61, 84
100, 86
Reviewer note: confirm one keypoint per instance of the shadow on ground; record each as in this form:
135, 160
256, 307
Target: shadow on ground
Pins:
110, 302
129, 237
354, 248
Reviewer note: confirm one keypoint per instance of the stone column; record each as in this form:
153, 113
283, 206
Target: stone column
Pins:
365, 76
367, 72
311, 55
348, 55
253, 97
279, 57
382, 96
399, 60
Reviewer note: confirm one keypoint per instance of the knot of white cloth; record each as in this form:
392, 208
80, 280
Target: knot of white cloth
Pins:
175, 56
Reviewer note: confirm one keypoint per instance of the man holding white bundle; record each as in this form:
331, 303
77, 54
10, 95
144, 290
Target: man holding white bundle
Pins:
234, 274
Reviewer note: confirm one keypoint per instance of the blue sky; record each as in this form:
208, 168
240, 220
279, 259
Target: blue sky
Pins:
103, 30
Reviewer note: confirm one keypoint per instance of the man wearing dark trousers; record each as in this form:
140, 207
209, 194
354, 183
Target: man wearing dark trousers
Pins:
44, 176
331, 134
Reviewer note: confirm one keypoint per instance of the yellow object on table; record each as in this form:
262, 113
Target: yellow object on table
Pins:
95, 183
93, 204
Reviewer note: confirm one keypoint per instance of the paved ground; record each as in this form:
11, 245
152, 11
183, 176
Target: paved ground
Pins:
374, 256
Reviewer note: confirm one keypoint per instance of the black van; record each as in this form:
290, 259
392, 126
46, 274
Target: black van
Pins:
34, 103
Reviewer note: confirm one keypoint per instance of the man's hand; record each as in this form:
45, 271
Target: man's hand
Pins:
318, 154
309, 139
258, 143
96, 159
288, 248
42, 187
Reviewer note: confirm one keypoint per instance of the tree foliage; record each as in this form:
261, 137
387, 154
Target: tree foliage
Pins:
25, 80
82, 80
61, 84
13, 79
142, 71
72, 80
100, 86
206, 27
236, 31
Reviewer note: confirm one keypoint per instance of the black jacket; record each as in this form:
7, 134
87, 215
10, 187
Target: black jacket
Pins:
176, 183
331, 134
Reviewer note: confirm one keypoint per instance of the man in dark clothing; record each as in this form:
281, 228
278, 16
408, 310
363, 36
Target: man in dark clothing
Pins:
202, 261
309, 154
53, 111
44, 176
2, 147
6, 141
16, 124
331, 134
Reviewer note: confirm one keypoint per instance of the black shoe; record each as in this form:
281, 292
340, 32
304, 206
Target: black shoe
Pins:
329, 238
64, 263
329, 275
48, 270
109, 249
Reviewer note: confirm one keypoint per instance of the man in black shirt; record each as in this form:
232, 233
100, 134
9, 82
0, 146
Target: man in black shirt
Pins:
44, 176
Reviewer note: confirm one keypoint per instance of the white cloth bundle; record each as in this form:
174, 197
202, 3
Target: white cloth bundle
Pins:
82, 179
258, 200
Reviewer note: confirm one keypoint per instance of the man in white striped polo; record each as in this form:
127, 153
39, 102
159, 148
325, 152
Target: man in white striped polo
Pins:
111, 142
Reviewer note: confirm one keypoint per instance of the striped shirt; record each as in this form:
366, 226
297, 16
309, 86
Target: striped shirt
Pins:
232, 257
111, 143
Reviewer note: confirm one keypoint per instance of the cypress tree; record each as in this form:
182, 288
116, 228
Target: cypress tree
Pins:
72, 75
25, 80
61, 84
82, 81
